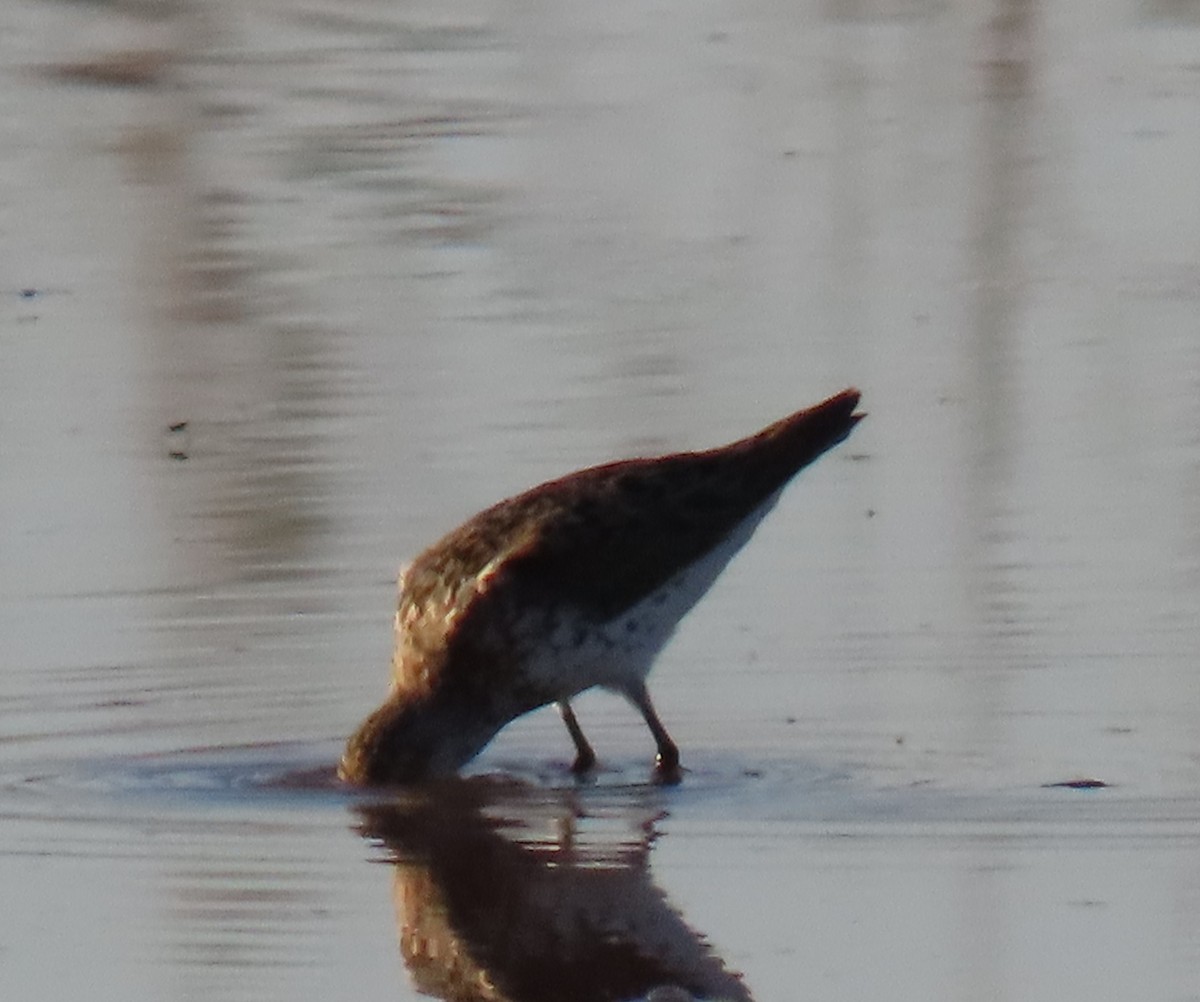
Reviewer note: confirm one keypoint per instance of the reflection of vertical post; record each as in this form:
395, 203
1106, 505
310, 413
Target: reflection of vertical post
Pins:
995, 273
850, 189
995, 259
234, 349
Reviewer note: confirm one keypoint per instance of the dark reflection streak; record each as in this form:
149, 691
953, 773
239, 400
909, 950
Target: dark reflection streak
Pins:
997, 275
996, 271
850, 184
507, 893
1005, 72
236, 359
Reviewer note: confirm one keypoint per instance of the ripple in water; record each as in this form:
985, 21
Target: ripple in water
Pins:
305, 774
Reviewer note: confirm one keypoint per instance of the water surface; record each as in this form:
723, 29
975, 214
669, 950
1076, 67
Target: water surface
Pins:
292, 288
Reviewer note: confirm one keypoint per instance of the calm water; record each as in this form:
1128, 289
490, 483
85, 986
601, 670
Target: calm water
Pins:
287, 289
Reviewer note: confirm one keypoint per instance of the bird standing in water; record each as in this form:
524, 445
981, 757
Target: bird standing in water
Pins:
576, 583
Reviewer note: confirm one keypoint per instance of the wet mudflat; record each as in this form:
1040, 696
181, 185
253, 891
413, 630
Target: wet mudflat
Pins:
291, 289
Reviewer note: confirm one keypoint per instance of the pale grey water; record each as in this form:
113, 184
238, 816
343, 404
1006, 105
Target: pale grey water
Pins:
393, 262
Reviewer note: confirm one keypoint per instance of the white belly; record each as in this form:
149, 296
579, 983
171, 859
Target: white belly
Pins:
581, 653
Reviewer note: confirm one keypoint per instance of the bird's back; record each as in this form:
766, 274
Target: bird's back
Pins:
604, 539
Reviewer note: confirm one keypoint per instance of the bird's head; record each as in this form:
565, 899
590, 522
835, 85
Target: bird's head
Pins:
411, 740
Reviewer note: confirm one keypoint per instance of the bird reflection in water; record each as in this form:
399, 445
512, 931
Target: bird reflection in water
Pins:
508, 893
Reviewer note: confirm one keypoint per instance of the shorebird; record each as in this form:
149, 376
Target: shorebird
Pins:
576, 583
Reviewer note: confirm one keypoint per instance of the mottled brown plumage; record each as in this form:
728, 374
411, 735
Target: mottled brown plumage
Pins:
575, 583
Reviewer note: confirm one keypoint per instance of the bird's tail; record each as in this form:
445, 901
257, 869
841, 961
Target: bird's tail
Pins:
784, 448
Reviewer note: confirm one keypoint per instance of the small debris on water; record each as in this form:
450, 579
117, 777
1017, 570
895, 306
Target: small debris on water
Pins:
178, 440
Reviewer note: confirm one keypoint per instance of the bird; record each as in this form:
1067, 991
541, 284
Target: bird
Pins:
574, 584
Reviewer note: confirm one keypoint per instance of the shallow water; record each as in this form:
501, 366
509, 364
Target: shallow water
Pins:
291, 288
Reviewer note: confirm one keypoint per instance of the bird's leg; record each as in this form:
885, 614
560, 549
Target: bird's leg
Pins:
585, 758
667, 761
